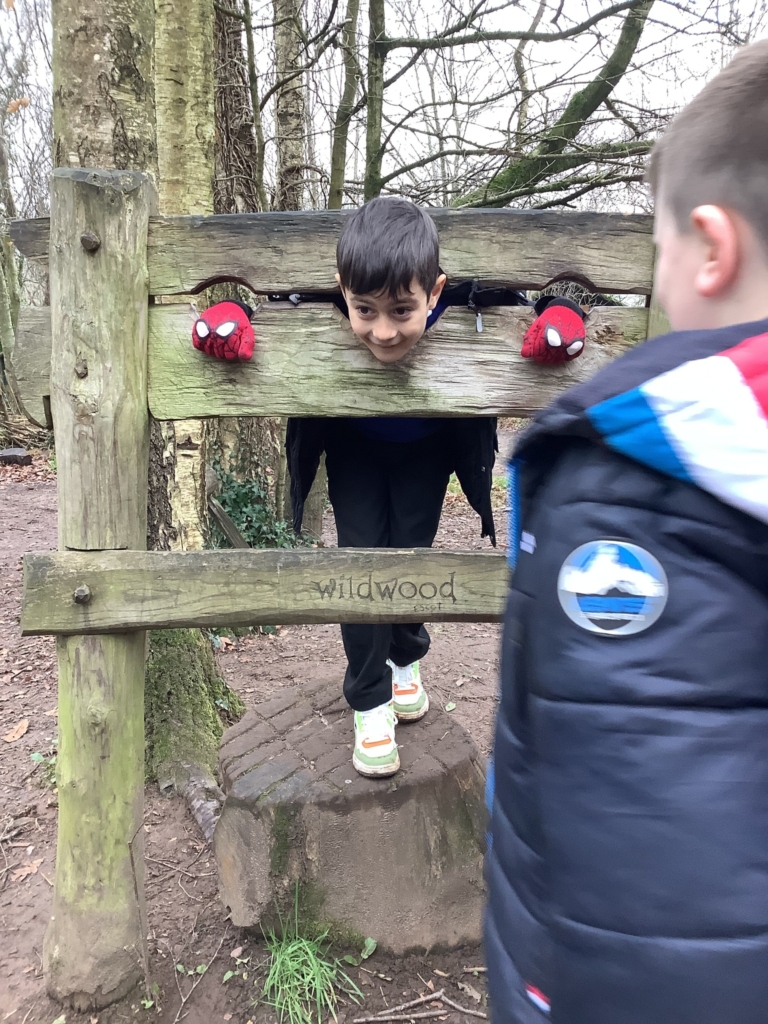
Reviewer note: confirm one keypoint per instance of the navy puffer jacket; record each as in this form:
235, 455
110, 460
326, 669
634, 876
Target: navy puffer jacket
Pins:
628, 866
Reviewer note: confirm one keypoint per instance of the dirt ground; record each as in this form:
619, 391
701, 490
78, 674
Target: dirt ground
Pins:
187, 923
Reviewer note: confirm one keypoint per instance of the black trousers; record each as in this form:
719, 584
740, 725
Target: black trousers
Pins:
385, 494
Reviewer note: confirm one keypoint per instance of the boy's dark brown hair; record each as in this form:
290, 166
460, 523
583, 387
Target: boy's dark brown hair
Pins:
385, 245
716, 149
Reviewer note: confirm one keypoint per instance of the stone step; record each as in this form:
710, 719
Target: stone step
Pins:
398, 859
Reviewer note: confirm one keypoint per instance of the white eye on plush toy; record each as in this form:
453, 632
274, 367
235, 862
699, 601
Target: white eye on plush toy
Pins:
201, 327
226, 329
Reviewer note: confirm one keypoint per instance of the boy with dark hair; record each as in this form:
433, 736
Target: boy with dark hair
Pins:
387, 476
628, 867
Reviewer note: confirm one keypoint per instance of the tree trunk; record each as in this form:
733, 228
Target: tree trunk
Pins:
291, 127
346, 105
289, 106
376, 58
184, 689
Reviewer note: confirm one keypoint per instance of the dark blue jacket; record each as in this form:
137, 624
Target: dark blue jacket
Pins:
628, 866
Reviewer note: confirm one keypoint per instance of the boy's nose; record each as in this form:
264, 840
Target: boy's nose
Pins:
384, 333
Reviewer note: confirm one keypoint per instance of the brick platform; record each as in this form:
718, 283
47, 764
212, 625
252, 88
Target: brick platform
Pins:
398, 859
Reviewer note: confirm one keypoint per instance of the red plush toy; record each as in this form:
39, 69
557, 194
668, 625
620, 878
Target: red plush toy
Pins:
225, 332
557, 334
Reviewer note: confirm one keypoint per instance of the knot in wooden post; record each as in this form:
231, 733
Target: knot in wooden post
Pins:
81, 368
90, 241
83, 594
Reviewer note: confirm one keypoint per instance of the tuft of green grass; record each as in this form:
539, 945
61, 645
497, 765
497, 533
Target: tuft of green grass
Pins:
303, 982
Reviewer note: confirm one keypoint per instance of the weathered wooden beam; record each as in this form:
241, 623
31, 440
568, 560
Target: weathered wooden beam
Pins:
95, 592
287, 252
31, 363
308, 363
99, 299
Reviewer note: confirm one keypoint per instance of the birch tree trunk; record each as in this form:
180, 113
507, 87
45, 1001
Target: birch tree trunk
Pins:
289, 195
289, 105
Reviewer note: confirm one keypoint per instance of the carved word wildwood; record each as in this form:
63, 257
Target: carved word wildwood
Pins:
351, 588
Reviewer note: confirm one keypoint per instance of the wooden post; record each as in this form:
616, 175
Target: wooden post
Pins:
94, 949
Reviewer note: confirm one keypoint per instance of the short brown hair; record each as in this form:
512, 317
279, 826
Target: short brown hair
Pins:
716, 149
385, 245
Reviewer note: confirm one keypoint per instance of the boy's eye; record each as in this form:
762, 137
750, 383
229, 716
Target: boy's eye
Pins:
403, 311
364, 310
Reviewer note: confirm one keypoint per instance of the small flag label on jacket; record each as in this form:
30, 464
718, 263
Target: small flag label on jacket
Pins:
537, 997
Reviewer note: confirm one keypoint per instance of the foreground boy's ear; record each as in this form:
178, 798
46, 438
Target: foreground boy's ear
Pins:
718, 233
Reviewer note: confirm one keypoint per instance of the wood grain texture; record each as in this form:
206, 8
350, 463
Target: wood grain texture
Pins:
309, 363
160, 589
31, 363
32, 237
99, 308
283, 252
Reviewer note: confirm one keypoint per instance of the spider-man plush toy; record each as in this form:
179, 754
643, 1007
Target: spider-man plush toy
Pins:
225, 332
555, 336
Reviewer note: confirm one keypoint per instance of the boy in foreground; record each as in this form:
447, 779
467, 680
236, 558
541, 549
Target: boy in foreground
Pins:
628, 870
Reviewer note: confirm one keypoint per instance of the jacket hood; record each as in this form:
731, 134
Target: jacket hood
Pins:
692, 405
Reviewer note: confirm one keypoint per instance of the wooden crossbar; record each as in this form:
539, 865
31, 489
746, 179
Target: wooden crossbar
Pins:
113, 591
285, 252
308, 363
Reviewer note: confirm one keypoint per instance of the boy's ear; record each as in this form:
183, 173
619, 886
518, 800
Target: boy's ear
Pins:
338, 281
437, 291
719, 234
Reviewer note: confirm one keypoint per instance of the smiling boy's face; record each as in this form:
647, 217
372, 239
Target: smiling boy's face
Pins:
390, 326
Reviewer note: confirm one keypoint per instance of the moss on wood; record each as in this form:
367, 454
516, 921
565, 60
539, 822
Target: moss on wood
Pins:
186, 703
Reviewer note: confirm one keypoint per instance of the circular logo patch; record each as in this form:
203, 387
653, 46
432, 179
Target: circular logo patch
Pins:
612, 587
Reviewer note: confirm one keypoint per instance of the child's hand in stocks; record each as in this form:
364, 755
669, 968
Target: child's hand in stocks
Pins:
224, 331
557, 334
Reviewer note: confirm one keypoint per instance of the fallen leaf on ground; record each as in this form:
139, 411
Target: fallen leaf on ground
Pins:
237, 952
52, 713
17, 731
470, 991
227, 1016
450, 706
441, 974
30, 868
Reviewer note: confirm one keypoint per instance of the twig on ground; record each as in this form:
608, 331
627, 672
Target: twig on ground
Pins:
376, 974
474, 970
142, 912
464, 1009
177, 867
197, 899
196, 982
414, 1002
394, 1016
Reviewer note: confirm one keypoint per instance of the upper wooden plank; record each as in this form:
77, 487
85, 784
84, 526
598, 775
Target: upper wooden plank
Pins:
286, 252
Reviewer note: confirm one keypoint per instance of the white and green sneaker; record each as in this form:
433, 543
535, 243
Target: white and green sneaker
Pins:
375, 752
410, 699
